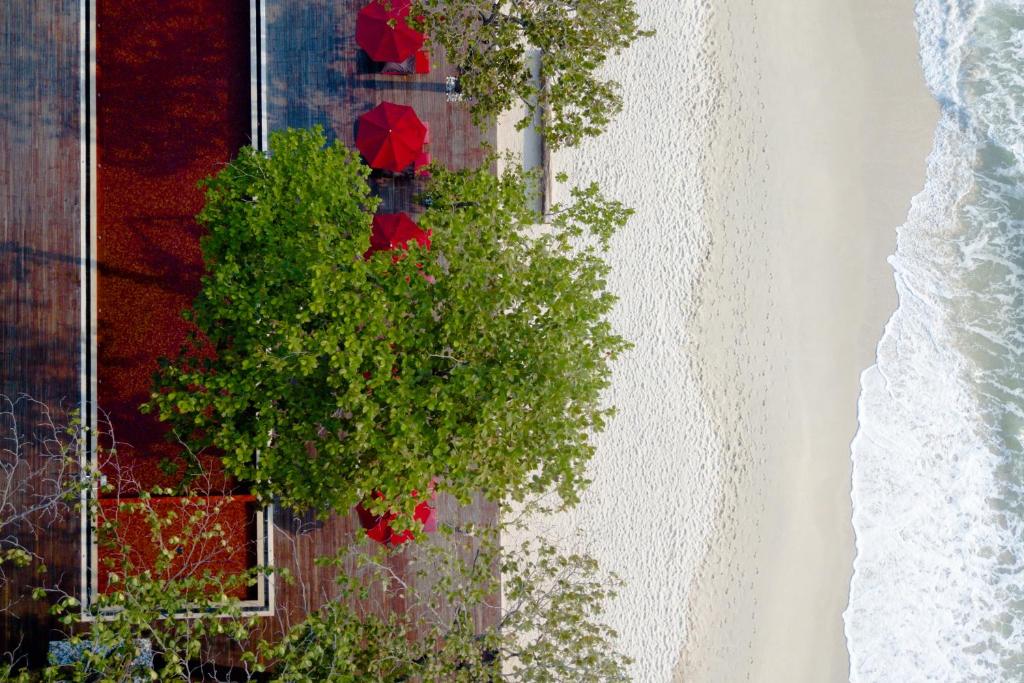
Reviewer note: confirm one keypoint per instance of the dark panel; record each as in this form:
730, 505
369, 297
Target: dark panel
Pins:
40, 202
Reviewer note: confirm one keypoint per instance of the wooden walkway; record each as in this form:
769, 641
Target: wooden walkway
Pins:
315, 74
301, 540
40, 234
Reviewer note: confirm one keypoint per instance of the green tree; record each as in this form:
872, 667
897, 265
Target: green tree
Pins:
490, 42
322, 376
135, 629
550, 628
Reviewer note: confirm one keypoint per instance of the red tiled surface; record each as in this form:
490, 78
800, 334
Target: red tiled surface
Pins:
227, 551
173, 106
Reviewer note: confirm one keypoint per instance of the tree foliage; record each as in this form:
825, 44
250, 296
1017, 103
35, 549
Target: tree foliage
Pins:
134, 629
322, 376
550, 628
490, 42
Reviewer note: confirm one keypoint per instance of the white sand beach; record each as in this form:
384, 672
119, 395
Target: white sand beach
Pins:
770, 149
827, 125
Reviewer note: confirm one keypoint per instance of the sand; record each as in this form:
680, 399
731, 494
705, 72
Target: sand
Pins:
824, 131
770, 150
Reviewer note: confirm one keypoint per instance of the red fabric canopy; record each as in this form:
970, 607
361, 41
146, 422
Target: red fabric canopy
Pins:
382, 30
395, 231
390, 136
378, 527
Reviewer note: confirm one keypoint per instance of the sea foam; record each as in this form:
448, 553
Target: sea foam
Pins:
938, 482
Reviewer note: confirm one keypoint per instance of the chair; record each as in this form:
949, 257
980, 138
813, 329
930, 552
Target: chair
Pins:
404, 68
422, 62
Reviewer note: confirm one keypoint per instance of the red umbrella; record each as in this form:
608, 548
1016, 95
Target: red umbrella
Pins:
395, 231
378, 527
382, 30
426, 515
390, 136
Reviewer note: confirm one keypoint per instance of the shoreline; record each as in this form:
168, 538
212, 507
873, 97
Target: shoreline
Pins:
825, 128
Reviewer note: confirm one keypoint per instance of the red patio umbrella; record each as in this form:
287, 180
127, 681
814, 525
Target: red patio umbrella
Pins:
382, 30
378, 527
395, 231
390, 136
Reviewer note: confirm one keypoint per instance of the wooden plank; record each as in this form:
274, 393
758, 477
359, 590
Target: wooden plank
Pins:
316, 74
40, 236
39, 199
300, 540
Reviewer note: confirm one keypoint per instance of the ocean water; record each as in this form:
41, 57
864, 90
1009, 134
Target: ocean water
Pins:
938, 482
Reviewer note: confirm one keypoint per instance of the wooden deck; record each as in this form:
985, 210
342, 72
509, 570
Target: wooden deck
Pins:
300, 540
315, 74
40, 236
